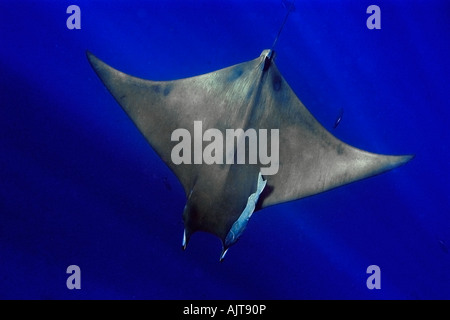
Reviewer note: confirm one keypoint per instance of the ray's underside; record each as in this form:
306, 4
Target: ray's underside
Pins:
255, 95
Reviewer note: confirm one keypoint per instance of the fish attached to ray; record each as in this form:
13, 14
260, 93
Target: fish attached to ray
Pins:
247, 97
338, 118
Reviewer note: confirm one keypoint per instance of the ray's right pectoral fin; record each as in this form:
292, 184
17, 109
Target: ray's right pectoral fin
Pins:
311, 159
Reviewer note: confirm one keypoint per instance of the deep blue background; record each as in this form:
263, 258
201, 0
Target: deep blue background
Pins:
79, 184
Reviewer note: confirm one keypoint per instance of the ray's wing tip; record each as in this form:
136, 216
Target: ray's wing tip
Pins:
89, 54
397, 161
406, 158
102, 69
93, 60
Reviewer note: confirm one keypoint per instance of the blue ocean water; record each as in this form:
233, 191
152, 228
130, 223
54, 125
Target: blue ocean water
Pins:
79, 185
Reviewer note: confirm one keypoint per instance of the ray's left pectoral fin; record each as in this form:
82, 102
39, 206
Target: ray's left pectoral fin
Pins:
310, 154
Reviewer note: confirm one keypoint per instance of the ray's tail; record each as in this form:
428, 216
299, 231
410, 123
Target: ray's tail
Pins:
290, 7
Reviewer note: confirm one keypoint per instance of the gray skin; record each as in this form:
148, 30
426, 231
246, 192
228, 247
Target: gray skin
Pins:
252, 94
